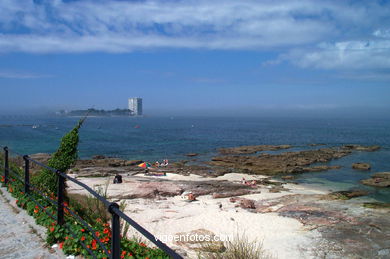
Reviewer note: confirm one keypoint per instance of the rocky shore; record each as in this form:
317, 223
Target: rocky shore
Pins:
235, 194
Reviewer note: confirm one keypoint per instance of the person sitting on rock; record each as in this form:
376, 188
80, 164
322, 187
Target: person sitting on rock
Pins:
118, 178
191, 197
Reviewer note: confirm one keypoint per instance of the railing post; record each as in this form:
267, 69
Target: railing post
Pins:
115, 238
6, 166
60, 199
26, 174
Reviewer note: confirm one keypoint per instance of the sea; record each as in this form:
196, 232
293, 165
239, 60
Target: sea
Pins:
156, 138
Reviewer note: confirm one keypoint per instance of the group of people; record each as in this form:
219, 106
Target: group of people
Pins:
249, 183
164, 163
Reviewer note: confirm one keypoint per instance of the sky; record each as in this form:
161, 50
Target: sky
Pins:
206, 57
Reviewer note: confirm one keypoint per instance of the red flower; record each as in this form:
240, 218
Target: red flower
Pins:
142, 244
82, 238
61, 245
93, 244
106, 231
66, 238
97, 233
82, 230
51, 229
17, 201
36, 211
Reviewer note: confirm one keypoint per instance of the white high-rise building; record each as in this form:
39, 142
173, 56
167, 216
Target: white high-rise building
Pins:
135, 106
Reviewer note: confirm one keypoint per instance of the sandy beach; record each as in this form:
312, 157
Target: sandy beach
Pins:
282, 237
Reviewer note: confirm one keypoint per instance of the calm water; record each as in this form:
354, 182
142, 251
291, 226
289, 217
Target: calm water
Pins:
172, 138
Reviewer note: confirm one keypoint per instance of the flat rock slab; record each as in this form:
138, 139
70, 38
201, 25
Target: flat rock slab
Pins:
251, 149
378, 180
17, 237
361, 166
349, 230
287, 162
142, 187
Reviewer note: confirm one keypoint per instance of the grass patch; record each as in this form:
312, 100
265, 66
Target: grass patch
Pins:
240, 247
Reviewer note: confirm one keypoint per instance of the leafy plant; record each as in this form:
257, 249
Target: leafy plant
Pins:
61, 160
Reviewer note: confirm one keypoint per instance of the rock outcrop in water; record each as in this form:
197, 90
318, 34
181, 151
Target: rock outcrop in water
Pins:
361, 166
378, 180
287, 163
361, 148
251, 149
244, 159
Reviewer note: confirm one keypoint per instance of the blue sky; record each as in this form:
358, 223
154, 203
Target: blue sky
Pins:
189, 56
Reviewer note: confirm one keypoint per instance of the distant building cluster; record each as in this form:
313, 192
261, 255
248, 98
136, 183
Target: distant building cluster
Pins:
135, 106
134, 109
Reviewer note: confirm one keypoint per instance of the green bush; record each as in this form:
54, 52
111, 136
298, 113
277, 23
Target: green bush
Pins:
61, 160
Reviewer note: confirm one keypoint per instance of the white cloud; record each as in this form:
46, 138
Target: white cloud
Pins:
21, 75
349, 55
124, 26
318, 34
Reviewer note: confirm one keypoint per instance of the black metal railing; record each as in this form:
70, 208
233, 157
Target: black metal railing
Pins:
112, 207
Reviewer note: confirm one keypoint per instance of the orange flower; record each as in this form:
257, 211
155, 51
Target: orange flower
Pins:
36, 211
106, 231
97, 233
123, 254
82, 230
66, 238
93, 244
51, 229
142, 244
82, 238
61, 245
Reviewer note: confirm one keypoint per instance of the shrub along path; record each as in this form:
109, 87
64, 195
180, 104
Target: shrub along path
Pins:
20, 236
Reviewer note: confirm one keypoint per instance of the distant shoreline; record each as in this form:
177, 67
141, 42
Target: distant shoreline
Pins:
98, 113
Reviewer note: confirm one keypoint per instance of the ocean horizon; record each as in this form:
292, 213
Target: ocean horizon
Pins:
157, 138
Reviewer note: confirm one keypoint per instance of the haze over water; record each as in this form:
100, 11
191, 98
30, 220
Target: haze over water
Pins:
158, 138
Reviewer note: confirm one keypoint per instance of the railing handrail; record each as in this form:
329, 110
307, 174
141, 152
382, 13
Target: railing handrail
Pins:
112, 207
